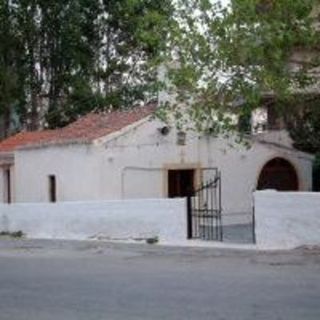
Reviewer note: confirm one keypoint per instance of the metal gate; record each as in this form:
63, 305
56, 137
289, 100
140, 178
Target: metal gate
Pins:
204, 210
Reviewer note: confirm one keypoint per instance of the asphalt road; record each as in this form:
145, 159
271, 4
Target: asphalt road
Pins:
92, 281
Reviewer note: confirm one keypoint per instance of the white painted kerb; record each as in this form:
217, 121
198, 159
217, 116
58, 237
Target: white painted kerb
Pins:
287, 219
125, 219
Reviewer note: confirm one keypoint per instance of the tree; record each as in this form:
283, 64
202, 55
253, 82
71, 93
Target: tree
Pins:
230, 58
133, 33
131, 36
11, 50
75, 56
59, 49
303, 122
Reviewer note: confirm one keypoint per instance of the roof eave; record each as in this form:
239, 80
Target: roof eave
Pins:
48, 144
302, 154
116, 134
6, 158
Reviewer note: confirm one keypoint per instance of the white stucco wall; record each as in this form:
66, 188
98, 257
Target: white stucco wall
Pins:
154, 154
134, 163
128, 219
287, 219
76, 168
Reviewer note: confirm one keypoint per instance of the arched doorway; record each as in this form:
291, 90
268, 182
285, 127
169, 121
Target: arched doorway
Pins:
278, 174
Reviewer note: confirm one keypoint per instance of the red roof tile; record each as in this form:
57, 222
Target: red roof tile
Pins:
86, 129
24, 138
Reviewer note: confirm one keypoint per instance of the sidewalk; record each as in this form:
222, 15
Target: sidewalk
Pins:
208, 248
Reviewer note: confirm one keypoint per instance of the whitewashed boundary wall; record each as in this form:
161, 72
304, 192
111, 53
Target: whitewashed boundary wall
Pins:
287, 220
123, 219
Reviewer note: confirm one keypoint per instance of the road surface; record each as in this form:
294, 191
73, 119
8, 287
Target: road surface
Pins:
50, 280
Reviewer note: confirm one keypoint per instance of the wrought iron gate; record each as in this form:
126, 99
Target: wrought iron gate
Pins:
204, 210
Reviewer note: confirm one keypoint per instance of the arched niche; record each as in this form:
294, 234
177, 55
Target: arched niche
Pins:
278, 174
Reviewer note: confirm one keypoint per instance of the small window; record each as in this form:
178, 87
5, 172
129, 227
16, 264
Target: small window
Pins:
7, 175
52, 188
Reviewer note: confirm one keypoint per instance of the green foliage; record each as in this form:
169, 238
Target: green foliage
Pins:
11, 64
303, 121
229, 58
69, 57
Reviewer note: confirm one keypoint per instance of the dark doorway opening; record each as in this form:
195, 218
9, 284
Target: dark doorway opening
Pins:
180, 183
52, 188
278, 174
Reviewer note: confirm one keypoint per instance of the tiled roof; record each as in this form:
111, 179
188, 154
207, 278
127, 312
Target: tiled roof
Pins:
24, 138
84, 130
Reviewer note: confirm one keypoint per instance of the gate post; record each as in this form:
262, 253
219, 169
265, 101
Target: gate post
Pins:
189, 217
